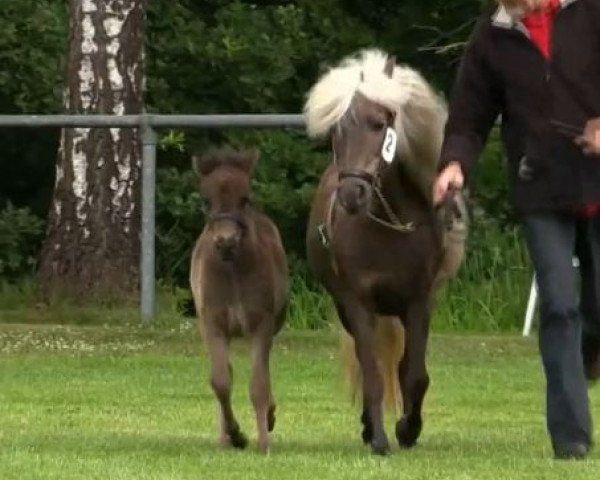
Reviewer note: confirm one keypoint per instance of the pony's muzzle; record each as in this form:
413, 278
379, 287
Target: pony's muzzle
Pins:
354, 194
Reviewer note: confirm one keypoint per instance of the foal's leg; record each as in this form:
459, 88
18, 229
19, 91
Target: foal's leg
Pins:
260, 387
221, 380
414, 379
361, 324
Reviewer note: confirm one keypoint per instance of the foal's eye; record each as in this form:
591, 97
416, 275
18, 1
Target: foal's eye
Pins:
205, 205
245, 201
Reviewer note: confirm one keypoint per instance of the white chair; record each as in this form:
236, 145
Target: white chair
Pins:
532, 302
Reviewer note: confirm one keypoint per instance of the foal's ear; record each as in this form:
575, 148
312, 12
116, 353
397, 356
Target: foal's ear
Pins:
390, 63
203, 164
196, 164
250, 160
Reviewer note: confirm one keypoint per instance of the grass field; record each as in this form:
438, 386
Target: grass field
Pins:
110, 403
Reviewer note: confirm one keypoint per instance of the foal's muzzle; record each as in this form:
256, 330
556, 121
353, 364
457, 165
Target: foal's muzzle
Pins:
228, 230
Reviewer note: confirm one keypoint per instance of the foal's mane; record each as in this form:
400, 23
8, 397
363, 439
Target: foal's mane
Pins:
243, 160
420, 113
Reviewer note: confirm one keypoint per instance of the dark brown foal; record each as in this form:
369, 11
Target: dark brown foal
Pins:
239, 279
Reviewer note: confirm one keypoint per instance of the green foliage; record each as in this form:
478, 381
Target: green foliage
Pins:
236, 57
33, 43
32, 46
20, 239
226, 56
179, 221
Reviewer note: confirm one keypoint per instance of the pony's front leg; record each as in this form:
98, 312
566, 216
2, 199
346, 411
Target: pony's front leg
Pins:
413, 376
260, 387
362, 324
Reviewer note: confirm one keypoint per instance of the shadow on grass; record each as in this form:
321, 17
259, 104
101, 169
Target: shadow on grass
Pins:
449, 446
105, 443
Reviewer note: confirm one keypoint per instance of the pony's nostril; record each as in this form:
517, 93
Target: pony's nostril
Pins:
360, 191
361, 194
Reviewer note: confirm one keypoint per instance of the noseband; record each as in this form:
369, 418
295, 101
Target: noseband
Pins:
360, 174
235, 218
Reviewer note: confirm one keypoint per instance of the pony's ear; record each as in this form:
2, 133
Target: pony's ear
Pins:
390, 63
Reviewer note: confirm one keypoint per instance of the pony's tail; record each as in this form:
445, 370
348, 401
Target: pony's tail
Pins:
389, 344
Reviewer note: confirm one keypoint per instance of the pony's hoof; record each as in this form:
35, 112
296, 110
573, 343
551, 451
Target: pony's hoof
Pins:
408, 430
238, 439
367, 434
271, 418
367, 431
381, 447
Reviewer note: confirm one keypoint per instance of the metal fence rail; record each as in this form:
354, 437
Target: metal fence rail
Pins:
148, 123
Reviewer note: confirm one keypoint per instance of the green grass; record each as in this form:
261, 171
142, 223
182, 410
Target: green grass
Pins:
121, 403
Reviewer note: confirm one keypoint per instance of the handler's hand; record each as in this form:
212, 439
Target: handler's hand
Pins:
451, 176
590, 140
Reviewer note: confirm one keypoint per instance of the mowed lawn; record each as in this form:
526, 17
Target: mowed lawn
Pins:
108, 403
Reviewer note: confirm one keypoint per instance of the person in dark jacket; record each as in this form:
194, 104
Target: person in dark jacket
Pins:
536, 63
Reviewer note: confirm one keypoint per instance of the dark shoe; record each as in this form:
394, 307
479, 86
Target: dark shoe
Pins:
572, 451
590, 350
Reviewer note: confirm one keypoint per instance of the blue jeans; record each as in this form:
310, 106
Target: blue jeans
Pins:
566, 311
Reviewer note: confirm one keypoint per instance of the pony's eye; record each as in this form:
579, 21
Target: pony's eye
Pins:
245, 201
376, 125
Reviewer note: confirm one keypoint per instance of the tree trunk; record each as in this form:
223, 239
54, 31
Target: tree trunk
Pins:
92, 241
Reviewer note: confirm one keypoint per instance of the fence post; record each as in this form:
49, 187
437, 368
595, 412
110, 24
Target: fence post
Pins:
147, 262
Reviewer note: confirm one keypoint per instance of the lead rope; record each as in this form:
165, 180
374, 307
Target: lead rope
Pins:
394, 223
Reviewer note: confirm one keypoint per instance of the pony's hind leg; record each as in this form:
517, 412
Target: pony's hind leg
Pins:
413, 376
221, 380
260, 387
271, 414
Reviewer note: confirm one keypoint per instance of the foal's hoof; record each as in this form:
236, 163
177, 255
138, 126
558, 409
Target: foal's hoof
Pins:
381, 447
271, 418
264, 447
367, 431
238, 439
408, 430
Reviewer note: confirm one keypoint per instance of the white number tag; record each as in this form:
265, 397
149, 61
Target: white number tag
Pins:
388, 150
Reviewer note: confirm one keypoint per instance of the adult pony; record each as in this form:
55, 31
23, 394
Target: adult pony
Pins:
239, 280
374, 239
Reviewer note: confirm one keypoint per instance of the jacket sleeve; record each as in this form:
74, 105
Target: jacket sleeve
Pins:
475, 104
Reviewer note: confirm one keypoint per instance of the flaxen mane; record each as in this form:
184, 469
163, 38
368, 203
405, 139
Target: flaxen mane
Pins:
420, 112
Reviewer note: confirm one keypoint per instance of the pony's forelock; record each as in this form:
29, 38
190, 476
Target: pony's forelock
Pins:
331, 97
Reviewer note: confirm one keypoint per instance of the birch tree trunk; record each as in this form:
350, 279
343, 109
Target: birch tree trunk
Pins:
92, 241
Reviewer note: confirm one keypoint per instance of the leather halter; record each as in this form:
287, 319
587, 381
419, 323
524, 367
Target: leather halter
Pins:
374, 180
